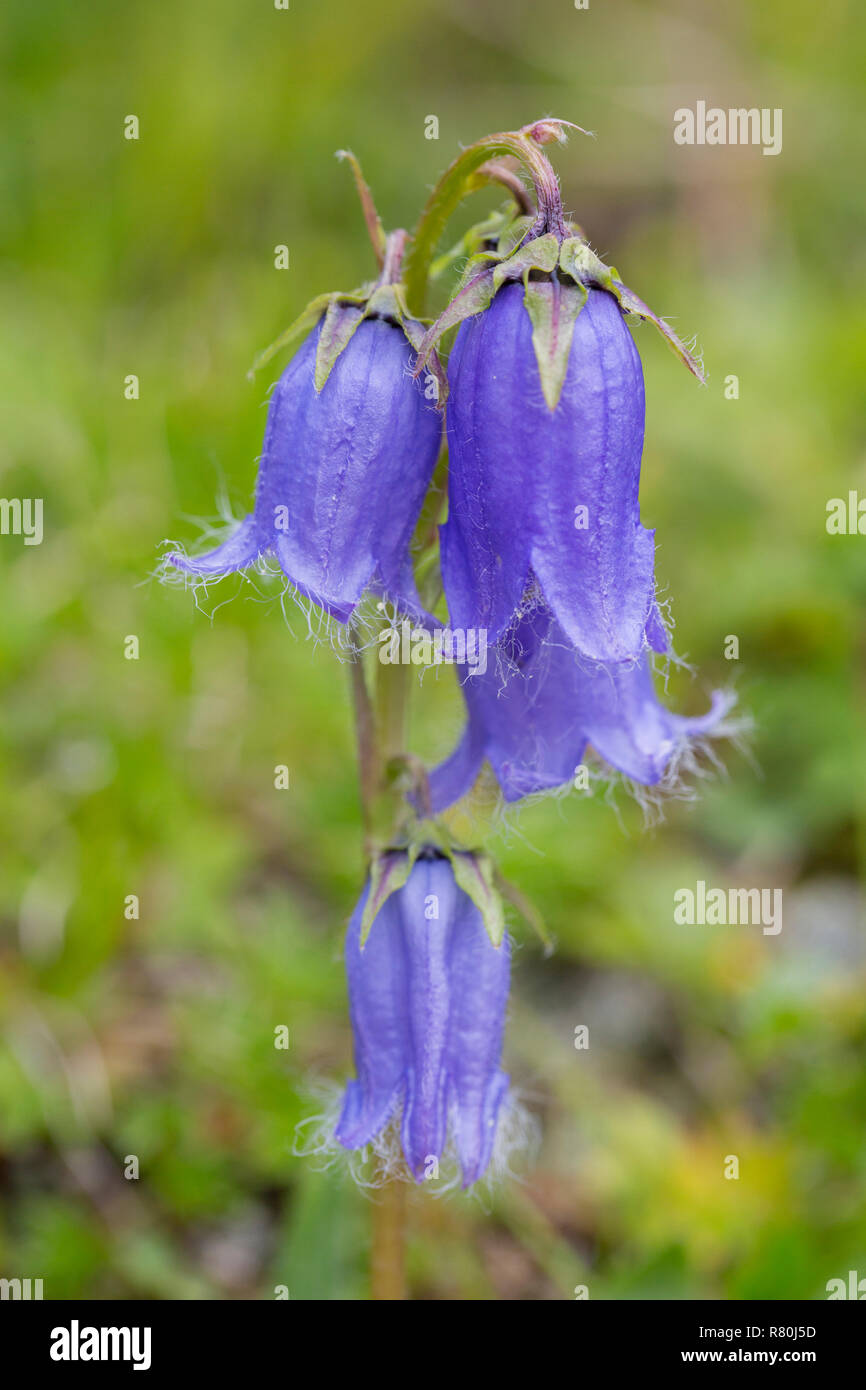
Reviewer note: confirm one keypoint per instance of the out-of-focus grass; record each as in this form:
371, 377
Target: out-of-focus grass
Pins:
154, 1037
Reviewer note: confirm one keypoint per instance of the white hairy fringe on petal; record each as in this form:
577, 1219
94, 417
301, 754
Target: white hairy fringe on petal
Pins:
695, 758
381, 1161
264, 582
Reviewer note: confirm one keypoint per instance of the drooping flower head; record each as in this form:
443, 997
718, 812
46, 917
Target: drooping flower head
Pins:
545, 435
427, 991
533, 712
350, 445
549, 495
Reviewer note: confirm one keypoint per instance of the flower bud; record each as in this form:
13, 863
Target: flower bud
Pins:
428, 992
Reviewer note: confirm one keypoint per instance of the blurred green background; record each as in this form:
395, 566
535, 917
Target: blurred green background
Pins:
154, 1037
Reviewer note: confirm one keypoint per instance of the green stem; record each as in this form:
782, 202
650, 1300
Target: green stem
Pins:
392, 712
367, 743
381, 733
456, 182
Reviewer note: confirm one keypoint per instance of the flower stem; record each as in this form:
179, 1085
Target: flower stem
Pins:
392, 712
380, 732
388, 1266
365, 738
460, 178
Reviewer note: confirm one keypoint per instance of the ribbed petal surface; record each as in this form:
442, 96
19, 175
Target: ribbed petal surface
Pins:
342, 475
533, 712
520, 473
428, 995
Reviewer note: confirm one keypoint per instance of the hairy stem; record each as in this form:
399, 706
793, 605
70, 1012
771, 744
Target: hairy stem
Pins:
373, 222
460, 178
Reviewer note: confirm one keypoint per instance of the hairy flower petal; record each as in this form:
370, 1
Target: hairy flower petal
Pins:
548, 492
342, 476
535, 709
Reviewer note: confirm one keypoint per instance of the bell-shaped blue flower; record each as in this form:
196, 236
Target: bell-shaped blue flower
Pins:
549, 496
342, 476
428, 992
533, 712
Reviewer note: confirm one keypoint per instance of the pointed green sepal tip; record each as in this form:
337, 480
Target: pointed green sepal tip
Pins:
341, 319
341, 314
553, 307
305, 321
528, 911
541, 254
476, 875
485, 273
578, 260
389, 871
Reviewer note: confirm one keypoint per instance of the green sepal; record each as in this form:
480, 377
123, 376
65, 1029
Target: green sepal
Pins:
513, 235
476, 875
342, 313
541, 254
341, 319
302, 324
553, 306
389, 870
472, 299
483, 236
528, 911
577, 259
485, 273
630, 303
416, 333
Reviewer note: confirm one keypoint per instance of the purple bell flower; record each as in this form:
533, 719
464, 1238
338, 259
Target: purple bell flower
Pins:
535, 710
549, 495
428, 993
342, 476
